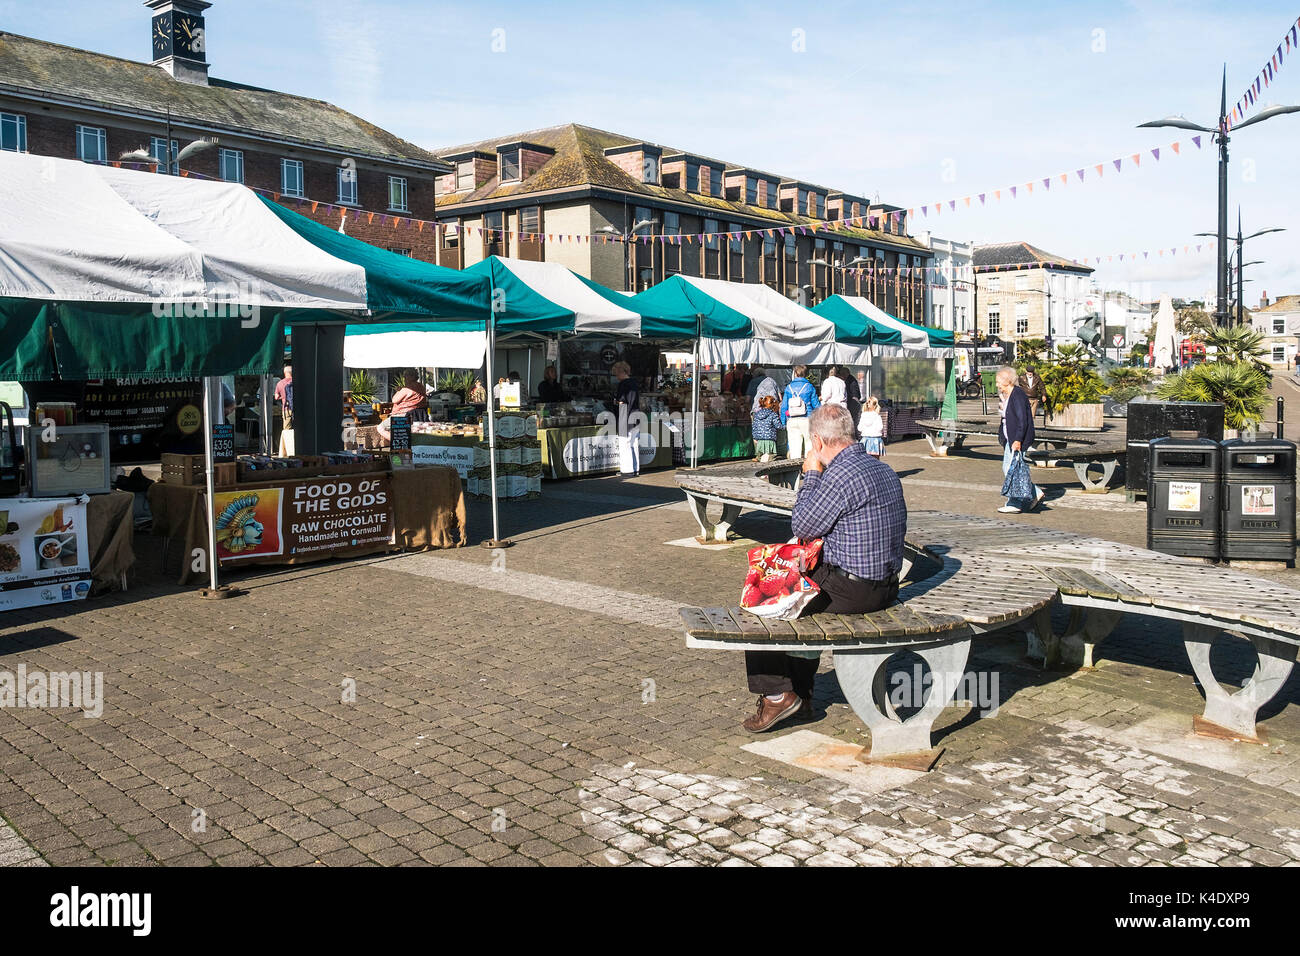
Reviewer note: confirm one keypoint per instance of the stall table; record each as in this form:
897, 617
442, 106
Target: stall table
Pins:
570, 451
295, 520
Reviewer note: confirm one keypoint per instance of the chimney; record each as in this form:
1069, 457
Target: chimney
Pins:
1263, 298
178, 38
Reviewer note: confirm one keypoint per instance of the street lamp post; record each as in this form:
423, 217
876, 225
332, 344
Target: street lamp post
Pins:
626, 238
1240, 241
1220, 134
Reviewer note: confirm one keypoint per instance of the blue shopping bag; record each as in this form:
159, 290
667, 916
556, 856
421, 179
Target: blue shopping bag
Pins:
1018, 483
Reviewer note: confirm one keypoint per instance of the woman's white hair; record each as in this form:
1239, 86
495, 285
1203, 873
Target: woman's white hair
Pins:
1007, 374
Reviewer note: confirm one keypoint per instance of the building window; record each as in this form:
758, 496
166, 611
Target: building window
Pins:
397, 198
1279, 326
715, 181
751, 191
712, 249
508, 166
158, 150
1022, 318
672, 251
450, 235
650, 170
995, 320
1022, 283
400, 252
995, 284
692, 177
347, 176
672, 180
961, 314
530, 223
231, 164
465, 176
494, 234
92, 144
938, 315
1279, 353
819, 206
13, 132
291, 183
773, 193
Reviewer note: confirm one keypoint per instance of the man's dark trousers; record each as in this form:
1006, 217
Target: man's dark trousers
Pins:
776, 672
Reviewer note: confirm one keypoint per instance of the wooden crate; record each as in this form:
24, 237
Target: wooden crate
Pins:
183, 469
225, 473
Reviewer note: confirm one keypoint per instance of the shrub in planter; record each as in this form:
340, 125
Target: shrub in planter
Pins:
1071, 380
1240, 386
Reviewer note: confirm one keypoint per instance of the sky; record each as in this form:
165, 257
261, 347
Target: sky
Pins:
913, 104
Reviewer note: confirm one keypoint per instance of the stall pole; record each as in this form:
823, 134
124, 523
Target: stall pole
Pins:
211, 402
695, 397
268, 415
495, 541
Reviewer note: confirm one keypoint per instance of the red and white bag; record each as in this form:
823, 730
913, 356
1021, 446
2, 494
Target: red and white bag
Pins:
777, 585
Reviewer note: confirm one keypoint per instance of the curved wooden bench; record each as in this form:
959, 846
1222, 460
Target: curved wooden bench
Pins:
925, 621
996, 574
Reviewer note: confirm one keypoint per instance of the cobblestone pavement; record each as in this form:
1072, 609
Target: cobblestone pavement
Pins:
538, 705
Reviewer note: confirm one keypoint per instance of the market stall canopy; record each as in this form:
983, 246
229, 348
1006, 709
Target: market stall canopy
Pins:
399, 290
851, 312
130, 273
549, 297
746, 322
393, 346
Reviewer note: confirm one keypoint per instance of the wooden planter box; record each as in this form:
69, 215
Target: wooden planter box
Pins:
1083, 417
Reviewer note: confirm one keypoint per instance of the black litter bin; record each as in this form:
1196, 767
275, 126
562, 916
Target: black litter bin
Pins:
1149, 419
1183, 496
1259, 500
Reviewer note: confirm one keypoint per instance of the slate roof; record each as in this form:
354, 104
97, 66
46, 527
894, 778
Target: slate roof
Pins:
1014, 253
97, 80
1283, 303
580, 161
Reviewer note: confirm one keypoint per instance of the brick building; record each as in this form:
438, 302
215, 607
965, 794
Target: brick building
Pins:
60, 101
517, 194
1026, 293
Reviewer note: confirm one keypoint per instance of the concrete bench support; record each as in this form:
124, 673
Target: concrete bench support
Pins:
861, 673
1233, 715
1086, 628
712, 532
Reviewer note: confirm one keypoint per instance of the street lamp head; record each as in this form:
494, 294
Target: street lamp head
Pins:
1267, 112
140, 155
1264, 232
1178, 122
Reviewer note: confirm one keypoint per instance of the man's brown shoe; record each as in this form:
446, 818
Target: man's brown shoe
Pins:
771, 712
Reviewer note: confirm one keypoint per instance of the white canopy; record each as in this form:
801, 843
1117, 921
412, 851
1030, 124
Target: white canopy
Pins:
913, 338
784, 332
414, 348
248, 254
67, 236
560, 285
1165, 333
74, 232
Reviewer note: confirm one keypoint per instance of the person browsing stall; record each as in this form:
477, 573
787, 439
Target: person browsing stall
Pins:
798, 401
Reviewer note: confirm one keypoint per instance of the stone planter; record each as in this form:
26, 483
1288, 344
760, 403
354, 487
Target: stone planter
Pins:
1083, 417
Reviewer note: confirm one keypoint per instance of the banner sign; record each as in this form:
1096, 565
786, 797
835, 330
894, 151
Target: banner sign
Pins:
460, 457
399, 429
44, 551
223, 442
309, 517
592, 453
146, 416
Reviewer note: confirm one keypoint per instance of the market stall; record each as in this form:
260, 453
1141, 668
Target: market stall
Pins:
312, 513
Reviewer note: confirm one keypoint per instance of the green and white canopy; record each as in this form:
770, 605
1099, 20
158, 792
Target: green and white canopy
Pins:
859, 317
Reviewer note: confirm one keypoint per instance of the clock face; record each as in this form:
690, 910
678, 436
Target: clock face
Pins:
188, 34
162, 34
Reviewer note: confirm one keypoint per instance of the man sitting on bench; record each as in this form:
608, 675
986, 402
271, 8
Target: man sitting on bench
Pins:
854, 502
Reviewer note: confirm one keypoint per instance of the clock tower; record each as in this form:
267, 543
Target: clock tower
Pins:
178, 38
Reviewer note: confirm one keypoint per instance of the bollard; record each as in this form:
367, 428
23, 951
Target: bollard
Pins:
1281, 405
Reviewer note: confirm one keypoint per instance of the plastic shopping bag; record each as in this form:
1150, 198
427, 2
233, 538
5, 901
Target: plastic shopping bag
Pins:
1018, 483
777, 585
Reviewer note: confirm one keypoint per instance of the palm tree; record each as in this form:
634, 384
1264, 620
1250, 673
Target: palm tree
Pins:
1237, 343
1240, 386
1030, 351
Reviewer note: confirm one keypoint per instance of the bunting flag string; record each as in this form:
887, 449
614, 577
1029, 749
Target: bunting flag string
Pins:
1267, 74
822, 229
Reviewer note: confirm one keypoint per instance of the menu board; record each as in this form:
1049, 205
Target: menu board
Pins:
223, 442
399, 429
44, 551
352, 514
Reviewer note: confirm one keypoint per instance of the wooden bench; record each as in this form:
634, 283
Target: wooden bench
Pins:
994, 574
1051, 446
756, 486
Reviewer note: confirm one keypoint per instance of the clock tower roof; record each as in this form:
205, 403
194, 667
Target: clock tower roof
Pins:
178, 36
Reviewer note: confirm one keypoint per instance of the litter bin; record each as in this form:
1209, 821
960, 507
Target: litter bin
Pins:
1259, 500
1183, 488
1149, 419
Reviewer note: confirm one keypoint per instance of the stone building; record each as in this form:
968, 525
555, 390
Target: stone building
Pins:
1026, 293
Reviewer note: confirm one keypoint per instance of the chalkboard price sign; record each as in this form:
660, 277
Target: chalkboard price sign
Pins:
400, 428
223, 442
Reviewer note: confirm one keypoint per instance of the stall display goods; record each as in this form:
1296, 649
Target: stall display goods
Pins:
518, 459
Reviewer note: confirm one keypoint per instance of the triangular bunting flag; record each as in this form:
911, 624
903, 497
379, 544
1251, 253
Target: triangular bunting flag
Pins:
1100, 168
1197, 141
1174, 146
1117, 163
1156, 153
1079, 173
